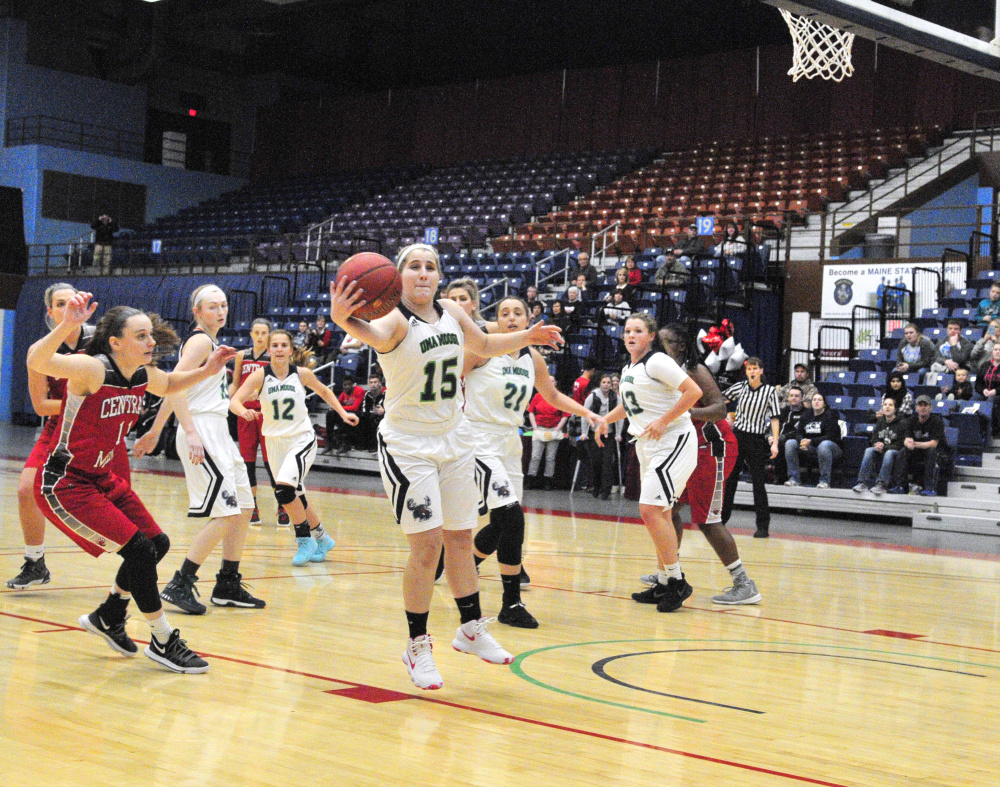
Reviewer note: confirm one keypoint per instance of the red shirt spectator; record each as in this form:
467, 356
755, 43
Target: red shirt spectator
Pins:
581, 388
352, 396
634, 274
546, 416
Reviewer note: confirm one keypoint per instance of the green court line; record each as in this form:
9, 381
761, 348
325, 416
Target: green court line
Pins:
517, 667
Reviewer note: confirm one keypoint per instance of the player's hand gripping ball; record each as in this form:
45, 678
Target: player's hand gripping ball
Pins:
379, 279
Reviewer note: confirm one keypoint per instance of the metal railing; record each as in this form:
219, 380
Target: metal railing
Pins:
600, 243
927, 286
834, 348
867, 327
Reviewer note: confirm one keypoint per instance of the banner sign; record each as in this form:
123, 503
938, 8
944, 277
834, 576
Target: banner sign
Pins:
861, 284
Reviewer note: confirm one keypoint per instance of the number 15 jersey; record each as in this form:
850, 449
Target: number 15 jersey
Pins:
283, 404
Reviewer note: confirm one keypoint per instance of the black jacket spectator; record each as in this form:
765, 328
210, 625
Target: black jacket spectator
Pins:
104, 232
818, 428
890, 433
789, 422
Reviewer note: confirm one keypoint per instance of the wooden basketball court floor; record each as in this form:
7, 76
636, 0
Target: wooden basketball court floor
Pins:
866, 664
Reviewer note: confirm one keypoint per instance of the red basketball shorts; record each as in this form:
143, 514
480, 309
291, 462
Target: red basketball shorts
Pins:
704, 491
250, 438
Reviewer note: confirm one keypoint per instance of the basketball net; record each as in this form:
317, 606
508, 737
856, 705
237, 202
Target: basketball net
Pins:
818, 49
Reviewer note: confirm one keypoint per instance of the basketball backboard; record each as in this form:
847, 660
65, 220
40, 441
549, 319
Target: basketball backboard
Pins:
888, 24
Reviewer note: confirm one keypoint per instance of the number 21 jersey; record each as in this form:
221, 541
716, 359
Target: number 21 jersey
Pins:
498, 391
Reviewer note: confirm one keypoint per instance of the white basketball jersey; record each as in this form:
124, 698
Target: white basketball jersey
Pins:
499, 391
649, 390
283, 404
422, 388
211, 395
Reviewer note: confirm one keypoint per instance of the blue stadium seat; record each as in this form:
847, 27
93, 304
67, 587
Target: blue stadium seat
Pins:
934, 315
963, 313
943, 407
839, 402
863, 429
870, 403
935, 334
829, 389
973, 334
840, 377
857, 415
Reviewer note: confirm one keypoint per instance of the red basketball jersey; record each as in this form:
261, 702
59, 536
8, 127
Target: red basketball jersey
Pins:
92, 427
251, 365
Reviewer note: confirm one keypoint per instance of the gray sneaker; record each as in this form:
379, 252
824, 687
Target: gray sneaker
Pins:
879, 488
743, 591
860, 488
648, 579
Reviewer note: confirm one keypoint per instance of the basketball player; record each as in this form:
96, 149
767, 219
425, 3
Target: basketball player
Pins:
78, 490
217, 482
717, 449
656, 395
497, 391
281, 386
248, 430
46, 397
465, 292
427, 465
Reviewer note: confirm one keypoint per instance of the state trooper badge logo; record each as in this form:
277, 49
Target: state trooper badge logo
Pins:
843, 292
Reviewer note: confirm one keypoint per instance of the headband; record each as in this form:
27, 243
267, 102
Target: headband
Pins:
404, 252
211, 289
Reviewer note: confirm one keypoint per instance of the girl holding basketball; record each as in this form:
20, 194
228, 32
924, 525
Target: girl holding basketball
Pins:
656, 395
426, 461
78, 489
218, 486
497, 391
286, 425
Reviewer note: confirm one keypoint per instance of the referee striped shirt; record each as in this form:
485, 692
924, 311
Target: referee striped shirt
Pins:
754, 407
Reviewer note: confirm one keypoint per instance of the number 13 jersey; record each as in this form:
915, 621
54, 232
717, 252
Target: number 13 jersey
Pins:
283, 404
422, 394
498, 391
648, 389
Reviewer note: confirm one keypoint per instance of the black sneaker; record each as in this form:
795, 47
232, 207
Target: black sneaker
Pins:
761, 532
518, 616
181, 591
231, 592
678, 590
523, 576
175, 655
283, 520
112, 633
651, 595
255, 517
33, 572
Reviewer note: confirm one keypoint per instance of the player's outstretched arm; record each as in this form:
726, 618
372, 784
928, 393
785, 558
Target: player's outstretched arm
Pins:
310, 380
495, 344
382, 334
84, 373
555, 397
167, 384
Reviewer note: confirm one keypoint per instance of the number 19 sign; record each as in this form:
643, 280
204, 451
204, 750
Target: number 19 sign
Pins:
706, 225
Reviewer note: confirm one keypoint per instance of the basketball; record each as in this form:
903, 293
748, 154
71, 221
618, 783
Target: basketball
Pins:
380, 280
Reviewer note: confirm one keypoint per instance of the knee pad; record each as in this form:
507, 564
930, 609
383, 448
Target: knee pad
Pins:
139, 564
161, 544
302, 499
284, 494
486, 540
511, 534
251, 473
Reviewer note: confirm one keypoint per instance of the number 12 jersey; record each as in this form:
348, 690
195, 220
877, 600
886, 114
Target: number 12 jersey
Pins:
283, 404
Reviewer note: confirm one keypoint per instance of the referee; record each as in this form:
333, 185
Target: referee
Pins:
756, 411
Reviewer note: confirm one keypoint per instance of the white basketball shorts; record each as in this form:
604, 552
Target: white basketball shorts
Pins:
665, 465
219, 486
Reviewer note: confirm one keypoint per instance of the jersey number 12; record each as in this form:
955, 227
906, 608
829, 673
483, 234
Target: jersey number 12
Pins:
286, 414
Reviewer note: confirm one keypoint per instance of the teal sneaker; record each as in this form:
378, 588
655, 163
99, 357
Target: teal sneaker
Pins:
307, 548
323, 545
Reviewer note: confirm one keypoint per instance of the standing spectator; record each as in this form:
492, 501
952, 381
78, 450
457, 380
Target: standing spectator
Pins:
372, 412
351, 398
531, 297
886, 445
984, 347
818, 434
582, 385
617, 311
756, 413
989, 308
670, 272
104, 237
962, 390
732, 242
915, 353
561, 319
622, 285
586, 293
896, 390
788, 424
547, 424
924, 442
988, 383
632, 269
602, 400
537, 312
584, 267
321, 340
690, 245
800, 379
953, 350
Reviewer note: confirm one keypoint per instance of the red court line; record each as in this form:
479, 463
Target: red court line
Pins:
637, 744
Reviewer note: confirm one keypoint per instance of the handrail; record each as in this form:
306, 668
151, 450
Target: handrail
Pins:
938, 289
253, 296
603, 234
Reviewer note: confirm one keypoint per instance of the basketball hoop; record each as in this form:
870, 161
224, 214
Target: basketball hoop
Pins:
818, 49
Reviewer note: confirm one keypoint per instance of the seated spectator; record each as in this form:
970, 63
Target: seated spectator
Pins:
561, 319
818, 434
350, 345
584, 267
537, 312
732, 242
622, 285
989, 308
883, 455
915, 353
984, 347
788, 424
341, 436
586, 293
953, 350
531, 297
925, 443
632, 269
987, 384
670, 272
583, 383
690, 245
547, 432
372, 412
601, 400
302, 338
573, 306
617, 311
800, 379
962, 390
321, 340
896, 390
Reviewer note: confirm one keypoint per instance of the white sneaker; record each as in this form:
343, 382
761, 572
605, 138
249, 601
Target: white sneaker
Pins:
419, 661
822, 485
472, 637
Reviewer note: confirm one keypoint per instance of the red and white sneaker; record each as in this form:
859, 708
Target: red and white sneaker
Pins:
255, 517
473, 638
283, 520
419, 661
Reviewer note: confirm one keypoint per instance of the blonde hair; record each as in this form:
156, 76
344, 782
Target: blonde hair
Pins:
50, 294
470, 288
300, 355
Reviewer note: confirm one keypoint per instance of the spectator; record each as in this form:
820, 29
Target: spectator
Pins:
582, 385
691, 244
818, 434
531, 297
962, 390
573, 307
670, 272
601, 400
984, 347
883, 455
732, 242
915, 353
547, 425
561, 319
788, 424
622, 286
987, 384
800, 379
617, 311
104, 237
632, 269
338, 437
584, 267
925, 442
372, 412
586, 293
302, 339
988, 308
896, 390
321, 340
537, 312
953, 350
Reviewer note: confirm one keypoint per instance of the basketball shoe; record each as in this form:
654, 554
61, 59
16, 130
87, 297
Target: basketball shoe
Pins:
175, 655
181, 591
419, 661
743, 591
255, 517
678, 590
524, 578
323, 545
652, 594
109, 624
307, 548
231, 592
33, 572
283, 520
517, 615
474, 639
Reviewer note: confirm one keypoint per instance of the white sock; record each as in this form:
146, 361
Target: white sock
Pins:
736, 569
34, 553
121, 594
318, 532
161, 628
671, 572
